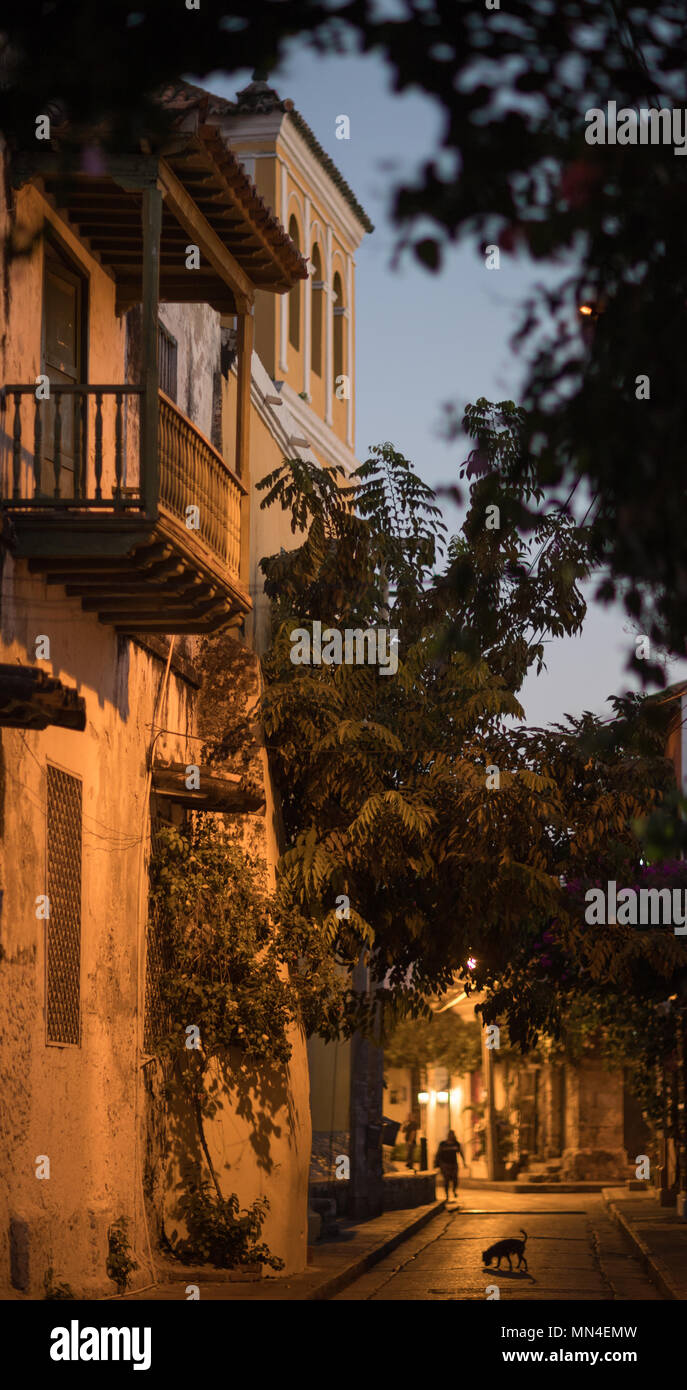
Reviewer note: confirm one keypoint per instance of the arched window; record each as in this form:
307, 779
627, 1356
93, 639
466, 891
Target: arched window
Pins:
317, 315
339, 308
295, 294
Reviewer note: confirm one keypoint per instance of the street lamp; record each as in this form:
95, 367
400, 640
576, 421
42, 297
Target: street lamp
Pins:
423, 1097
442, 1097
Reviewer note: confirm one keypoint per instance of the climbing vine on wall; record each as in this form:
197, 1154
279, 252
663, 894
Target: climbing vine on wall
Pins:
243, 967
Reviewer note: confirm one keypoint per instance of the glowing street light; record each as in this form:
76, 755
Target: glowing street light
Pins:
423, 1097
442, 1097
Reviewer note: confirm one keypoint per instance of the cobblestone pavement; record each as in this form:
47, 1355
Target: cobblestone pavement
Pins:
574, 1251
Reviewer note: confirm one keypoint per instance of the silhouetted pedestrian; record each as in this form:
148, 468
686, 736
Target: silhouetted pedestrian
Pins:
447, 1162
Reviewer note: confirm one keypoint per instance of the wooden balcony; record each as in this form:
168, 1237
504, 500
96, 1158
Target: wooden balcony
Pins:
149, 538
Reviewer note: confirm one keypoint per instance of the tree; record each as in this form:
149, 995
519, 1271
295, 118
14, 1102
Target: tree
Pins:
388, 781
442, 1040
515, 88
610, 777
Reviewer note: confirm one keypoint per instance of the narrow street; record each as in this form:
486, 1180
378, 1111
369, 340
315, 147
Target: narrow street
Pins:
574, 1251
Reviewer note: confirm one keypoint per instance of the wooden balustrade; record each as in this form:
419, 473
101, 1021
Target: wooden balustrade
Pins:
60, 470
70, 466
197, 487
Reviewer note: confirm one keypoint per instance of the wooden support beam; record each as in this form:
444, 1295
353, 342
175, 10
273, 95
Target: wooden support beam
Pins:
150, 408
243, 371
31, 699
163, 579
139, 561
142, 610
171, 625
217, 791
199, 600
196, 289
202, 235
90, 581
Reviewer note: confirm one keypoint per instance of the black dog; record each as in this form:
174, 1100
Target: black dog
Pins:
506, 1248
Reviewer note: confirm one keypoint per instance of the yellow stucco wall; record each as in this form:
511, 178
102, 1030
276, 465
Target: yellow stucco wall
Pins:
295, 184
315, 226
85, 1107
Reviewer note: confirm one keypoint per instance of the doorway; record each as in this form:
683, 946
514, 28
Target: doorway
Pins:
63, 360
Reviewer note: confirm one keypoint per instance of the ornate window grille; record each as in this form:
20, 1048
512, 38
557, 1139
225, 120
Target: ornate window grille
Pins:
63, 954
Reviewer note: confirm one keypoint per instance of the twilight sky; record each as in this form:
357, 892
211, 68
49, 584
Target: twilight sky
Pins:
424, 340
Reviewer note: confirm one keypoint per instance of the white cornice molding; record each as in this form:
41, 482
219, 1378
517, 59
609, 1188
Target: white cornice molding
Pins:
322, 438
295, 418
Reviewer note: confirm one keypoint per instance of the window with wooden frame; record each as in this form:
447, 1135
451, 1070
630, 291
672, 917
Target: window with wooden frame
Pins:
167, 361
63, 353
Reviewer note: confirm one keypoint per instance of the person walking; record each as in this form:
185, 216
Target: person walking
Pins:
447, 1162
410, 1135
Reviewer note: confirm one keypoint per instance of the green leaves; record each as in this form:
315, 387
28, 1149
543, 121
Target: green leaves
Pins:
220, 1234
225, 940
383, 780
443, 1040
383, 806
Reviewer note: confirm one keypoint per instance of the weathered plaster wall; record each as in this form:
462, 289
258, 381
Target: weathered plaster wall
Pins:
270, 528
81, 1106
22, 327
197, 330
87, 1107
260, 1139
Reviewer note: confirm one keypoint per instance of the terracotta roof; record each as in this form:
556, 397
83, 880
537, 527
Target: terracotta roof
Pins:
183, 98
260, 99
248, 201
75, 169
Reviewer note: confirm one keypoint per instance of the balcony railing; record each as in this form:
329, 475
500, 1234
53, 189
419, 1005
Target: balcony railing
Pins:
194, 475
62, 470
79, 451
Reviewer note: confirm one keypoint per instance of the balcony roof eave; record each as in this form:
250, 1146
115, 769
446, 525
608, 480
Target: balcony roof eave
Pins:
208, 203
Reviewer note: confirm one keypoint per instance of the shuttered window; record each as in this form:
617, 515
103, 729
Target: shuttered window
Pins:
167, 361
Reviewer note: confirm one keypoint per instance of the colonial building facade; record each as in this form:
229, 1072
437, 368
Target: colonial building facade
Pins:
159, 325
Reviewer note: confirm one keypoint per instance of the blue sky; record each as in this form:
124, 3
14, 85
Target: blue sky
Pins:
424, 340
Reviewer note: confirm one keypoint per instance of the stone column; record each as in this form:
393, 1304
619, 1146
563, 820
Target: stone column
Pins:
367, 1089
595, 1150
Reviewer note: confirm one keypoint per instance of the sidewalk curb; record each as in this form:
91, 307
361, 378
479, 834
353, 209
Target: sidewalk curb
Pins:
657, 1271
336, 1282
511, 1185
